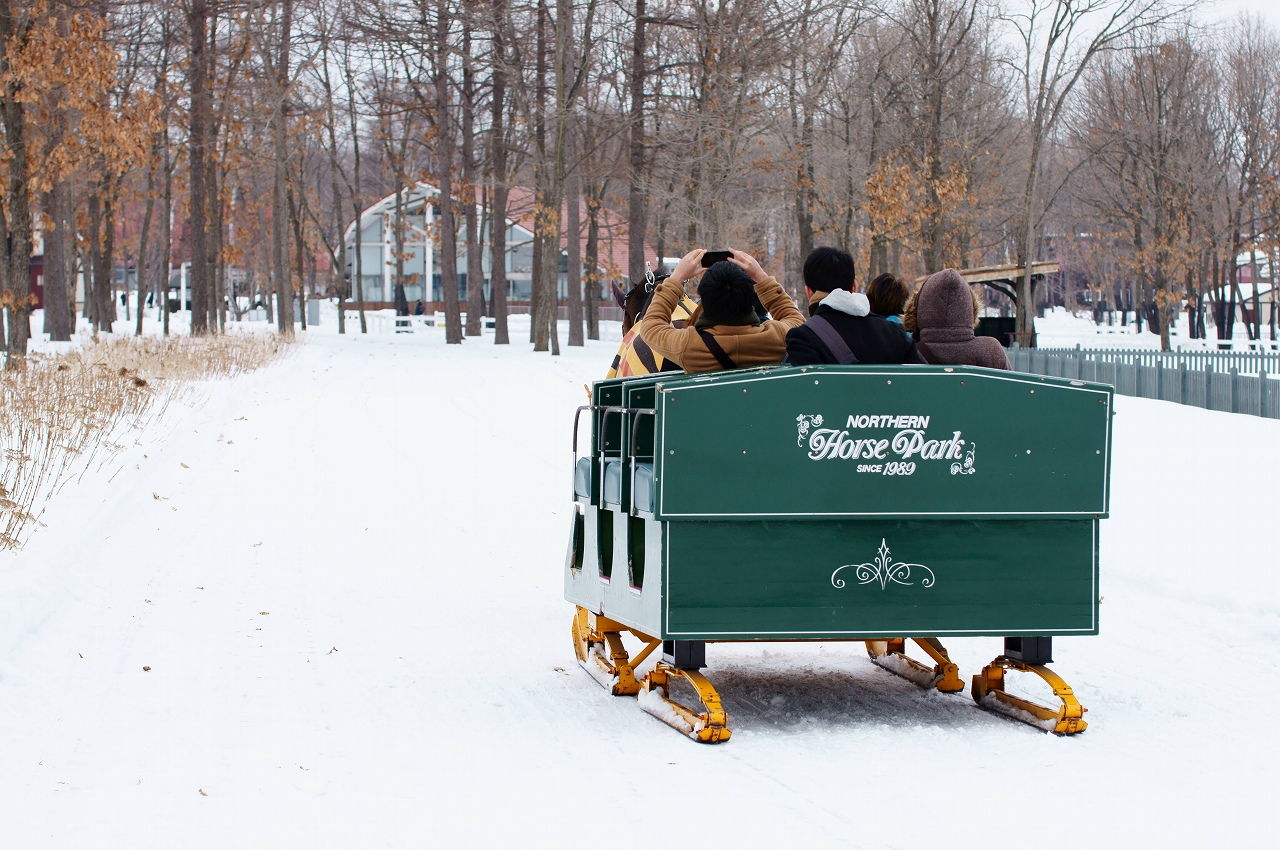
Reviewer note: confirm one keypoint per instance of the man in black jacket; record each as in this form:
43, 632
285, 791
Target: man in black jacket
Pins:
841, 328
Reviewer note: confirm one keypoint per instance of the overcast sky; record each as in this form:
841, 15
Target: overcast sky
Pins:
1219, 9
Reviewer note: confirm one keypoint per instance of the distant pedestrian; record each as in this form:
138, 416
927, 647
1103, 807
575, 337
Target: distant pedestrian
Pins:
418, 309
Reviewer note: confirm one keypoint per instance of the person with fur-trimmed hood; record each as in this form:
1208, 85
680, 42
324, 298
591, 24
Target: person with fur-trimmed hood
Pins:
943, 313
841, 328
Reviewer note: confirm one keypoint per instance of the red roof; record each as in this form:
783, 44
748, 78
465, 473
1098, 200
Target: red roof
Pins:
613, 231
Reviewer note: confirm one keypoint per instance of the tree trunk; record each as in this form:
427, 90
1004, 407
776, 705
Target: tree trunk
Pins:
199, 116
498, 253
107, 315
1162, 314
401, 300
217, 269
498, 152
15, 27
7, 312
636, 152
268, 251
1200, 329
166, 231
143, 256
1233, 279
1025, 316
567, 182
356, 207
58, 244
573, 241
340, 273
804, 196
1253, 275
124, 295
229, 307
595, 198
93, 262
444, 162
300, 250
280, 205
1271, 267
546, 225
879, 242
934, 87
59, 310
1024, 324
1215, 296
536, 314
475, 236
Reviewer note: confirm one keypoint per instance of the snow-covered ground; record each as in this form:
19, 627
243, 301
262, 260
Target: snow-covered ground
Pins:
344, 573
1058, 328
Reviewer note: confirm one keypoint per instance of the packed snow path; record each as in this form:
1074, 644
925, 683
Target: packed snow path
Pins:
344, 573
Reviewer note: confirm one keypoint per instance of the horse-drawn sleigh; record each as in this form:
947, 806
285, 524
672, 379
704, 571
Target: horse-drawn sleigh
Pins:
837, 503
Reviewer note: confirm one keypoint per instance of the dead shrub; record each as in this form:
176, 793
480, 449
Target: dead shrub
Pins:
58, 415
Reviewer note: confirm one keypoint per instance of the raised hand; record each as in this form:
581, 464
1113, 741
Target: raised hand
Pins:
749, 265
689, 266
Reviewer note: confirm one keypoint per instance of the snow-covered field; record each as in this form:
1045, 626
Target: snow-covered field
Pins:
1059, 329
344, 575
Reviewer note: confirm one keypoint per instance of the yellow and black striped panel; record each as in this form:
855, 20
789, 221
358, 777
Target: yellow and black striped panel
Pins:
635, 357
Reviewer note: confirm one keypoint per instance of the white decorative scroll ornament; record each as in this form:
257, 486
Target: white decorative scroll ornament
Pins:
884, 570
965, 468
805, 422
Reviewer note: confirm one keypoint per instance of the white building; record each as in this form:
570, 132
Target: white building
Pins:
422, 264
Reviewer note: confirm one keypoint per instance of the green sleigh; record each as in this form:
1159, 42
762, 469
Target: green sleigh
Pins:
869, 503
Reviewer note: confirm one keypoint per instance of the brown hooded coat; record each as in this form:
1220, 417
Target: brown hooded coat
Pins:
944, 317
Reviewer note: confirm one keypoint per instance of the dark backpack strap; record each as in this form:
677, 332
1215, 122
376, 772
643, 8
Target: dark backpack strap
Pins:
831, 338
717, 352
924, 351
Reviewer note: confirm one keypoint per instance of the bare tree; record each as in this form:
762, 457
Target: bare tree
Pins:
498, 157
444, 166
1059, 39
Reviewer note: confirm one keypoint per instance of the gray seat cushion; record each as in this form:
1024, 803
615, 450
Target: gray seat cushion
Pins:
582, 478
643, 495
613, 482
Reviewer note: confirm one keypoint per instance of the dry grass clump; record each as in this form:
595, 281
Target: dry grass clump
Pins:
182, 358
59, 414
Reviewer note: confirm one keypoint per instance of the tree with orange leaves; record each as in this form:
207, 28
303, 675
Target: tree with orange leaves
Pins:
57, 74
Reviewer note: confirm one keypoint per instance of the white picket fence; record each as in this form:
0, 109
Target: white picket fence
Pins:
1230, 381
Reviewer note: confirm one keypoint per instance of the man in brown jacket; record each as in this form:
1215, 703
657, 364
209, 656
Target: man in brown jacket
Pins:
727, 334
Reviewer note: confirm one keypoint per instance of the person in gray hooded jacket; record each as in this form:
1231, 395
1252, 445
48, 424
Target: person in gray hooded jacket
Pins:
841, 327
945, 314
